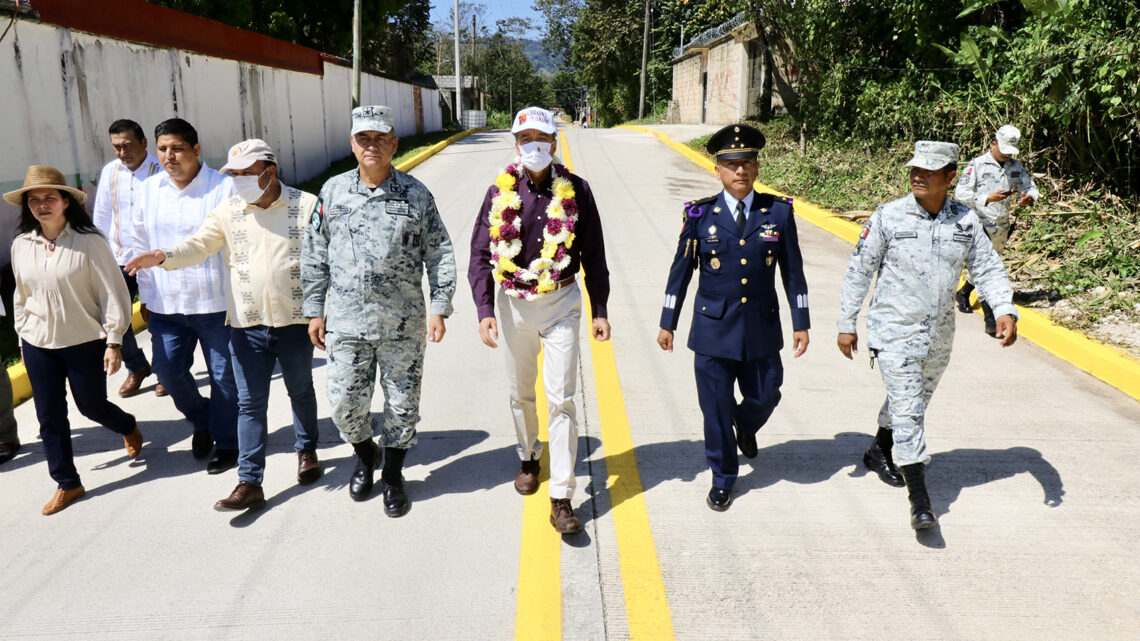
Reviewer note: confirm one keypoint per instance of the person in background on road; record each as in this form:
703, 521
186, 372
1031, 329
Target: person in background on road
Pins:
120, 185
992, 185
736, 239
261, 229
917, 246
537, 228
373, 233
188, 306
70, 310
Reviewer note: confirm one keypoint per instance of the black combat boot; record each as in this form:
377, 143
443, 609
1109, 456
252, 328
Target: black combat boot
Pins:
963, 297
395, 499
368, 455
878, 459
991, 322
921, 514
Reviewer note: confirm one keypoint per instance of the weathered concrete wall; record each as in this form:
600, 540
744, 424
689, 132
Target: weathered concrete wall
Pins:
726, 82
63, 88
687, 88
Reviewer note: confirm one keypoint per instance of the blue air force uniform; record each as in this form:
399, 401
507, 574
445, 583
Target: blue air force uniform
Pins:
736, 333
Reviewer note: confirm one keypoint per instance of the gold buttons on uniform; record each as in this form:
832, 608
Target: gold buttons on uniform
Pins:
744, 300
703, 308
741, 242
743, 281
714, 252
743, 261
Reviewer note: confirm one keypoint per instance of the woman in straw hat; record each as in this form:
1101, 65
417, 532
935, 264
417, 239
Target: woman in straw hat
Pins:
71, 308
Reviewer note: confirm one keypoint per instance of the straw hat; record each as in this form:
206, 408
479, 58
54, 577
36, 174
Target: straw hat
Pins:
41, 177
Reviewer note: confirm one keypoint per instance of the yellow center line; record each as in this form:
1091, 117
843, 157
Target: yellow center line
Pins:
538, 613
646, 605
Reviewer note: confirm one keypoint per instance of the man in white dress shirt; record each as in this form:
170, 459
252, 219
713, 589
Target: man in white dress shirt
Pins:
187, 306
120, 184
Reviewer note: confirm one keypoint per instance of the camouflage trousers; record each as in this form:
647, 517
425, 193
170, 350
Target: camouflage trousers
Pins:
910, 383
998, 233
351, 379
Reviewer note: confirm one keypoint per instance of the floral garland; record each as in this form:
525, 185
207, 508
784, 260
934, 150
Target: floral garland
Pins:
544, 272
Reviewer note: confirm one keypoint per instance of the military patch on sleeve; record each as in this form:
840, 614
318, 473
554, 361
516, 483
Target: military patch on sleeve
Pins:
965, 177
318, 217
862, 237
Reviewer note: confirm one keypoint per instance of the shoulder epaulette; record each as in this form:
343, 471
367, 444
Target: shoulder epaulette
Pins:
775, 198
693, 209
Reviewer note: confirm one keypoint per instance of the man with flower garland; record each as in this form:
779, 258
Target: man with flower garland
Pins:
736, 239
374, 232
537, 228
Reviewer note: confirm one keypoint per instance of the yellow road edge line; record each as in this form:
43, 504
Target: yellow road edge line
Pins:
538, 613
22, 387
1109, 364
646, 603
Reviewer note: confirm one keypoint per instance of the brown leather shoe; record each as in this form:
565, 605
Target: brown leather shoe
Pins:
133, 441
246, 496
308, 468
159, 390
562, 517
133, 383
62, 498
526, 483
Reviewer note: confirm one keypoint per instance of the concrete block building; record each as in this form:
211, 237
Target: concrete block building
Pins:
727, 74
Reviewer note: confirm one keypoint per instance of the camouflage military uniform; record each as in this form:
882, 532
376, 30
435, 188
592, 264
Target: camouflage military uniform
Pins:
982, 177
362, 271
910, 323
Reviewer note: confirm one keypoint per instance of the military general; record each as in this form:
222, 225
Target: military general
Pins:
374, 232
916, 247
736, 239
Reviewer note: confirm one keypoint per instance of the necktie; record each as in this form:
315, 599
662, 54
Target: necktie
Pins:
740, 217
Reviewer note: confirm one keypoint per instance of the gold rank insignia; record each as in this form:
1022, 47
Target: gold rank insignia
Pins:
715, 263
716, 210
769, 260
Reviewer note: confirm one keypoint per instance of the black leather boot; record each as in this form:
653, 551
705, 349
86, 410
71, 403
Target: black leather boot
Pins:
368, 455
921, 513
395, 499
991, 322
878, 459
963, 297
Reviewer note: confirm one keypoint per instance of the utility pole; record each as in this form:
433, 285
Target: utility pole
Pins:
644, 62
356, 53
458, 72
474, 80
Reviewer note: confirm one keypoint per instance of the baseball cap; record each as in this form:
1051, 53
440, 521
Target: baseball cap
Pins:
371, 118
534, 118
247, 152
932, 155
1007, 138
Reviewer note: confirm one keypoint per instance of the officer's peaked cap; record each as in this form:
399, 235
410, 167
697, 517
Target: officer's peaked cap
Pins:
735, 141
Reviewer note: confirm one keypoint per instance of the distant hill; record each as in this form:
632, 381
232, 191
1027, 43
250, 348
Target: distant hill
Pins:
543, 62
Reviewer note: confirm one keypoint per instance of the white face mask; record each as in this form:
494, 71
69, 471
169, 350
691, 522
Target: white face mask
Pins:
248, 188
536, 155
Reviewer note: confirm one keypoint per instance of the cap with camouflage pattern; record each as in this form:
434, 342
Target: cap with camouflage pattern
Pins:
933, 155
371, 118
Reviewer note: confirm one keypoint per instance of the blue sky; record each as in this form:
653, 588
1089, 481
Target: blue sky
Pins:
496, 10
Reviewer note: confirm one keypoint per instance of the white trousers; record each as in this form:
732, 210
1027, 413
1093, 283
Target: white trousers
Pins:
548, 324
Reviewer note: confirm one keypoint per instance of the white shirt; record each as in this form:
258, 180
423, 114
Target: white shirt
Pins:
731, 202
115, 197
166, 216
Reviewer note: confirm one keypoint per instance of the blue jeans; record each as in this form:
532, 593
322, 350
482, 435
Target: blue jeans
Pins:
133, 358
173, 337
81, 366
255, 350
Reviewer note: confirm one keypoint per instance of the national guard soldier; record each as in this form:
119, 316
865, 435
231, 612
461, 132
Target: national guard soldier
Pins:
736, 239
917, 246
373, 233
992, 184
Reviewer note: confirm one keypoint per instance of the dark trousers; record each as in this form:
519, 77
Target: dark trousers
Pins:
82, 367
759, 382
173, 338
133, 357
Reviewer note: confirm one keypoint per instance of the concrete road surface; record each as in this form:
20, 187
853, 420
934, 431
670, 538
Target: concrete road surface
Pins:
1034, 479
